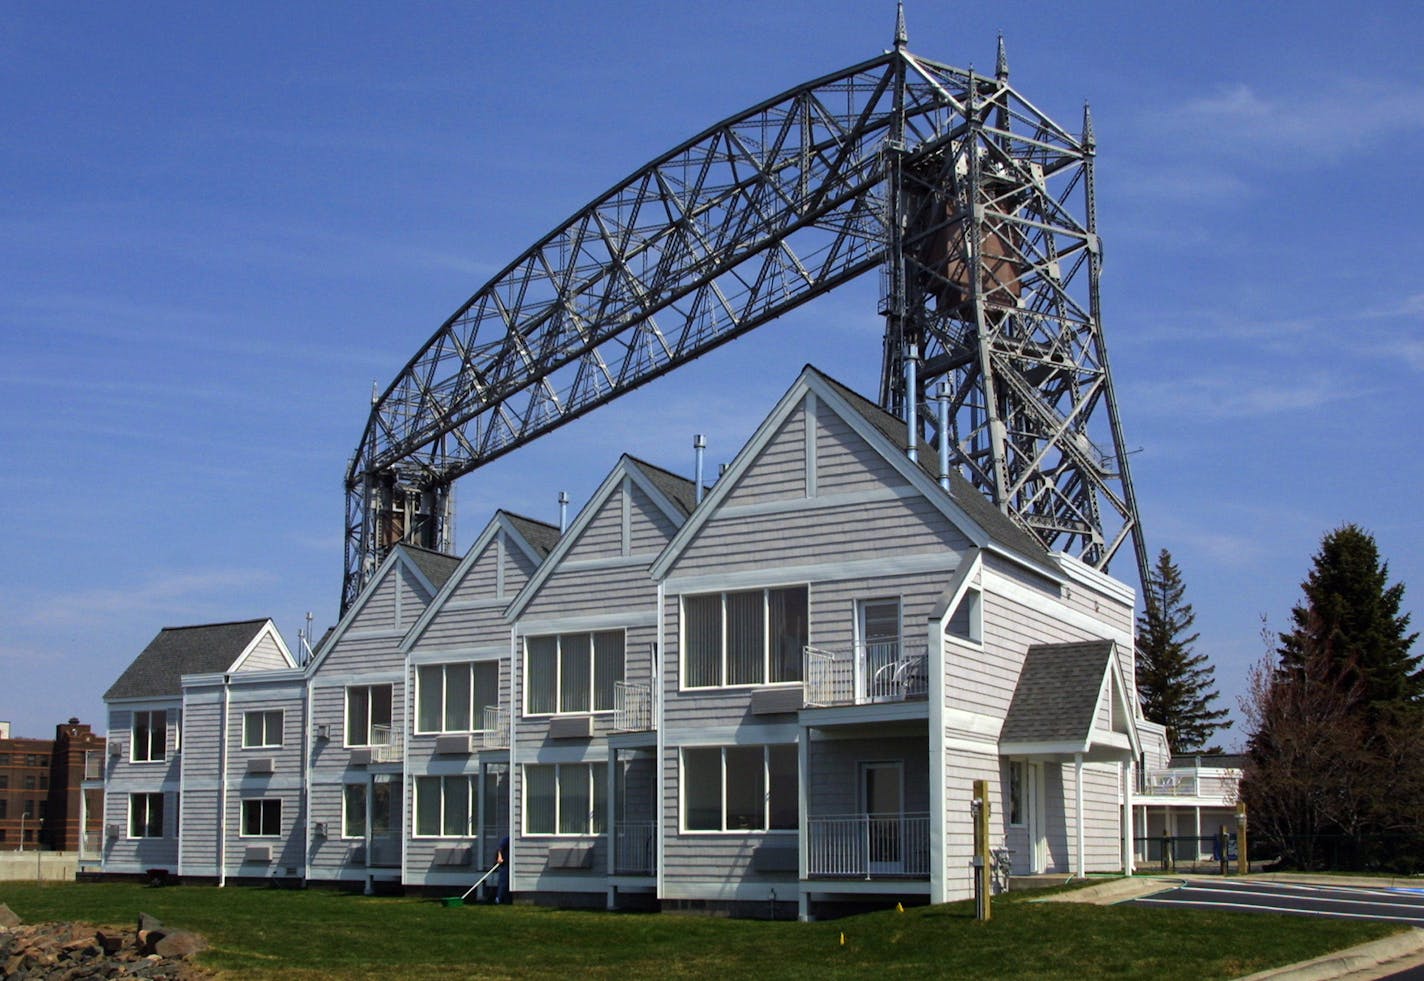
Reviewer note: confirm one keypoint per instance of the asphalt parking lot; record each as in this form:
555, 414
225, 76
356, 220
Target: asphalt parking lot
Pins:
1392, 904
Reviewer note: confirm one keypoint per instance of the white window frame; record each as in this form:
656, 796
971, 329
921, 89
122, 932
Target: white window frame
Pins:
559, 708
766, 828
365, 808
150, 715
974, 596
265, 733
472, 805
723, 671
476, 711
597, 776
346, 714
262, 803
148, 797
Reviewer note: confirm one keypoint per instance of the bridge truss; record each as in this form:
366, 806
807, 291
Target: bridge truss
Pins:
977, 208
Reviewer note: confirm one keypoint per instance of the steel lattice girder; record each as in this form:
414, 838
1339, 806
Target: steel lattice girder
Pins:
753, 217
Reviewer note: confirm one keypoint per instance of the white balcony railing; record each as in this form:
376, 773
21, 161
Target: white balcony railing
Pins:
496, 727
632, 707
635, 848
385, 744
1191, 782
867, 674
865, 846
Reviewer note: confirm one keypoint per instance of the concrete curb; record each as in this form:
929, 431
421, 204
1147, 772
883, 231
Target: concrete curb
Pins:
1116, 891
1342, 962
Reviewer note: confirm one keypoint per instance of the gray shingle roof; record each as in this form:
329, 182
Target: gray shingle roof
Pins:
177, 651
1057, 693
541, 537
976, 505
435, 566
681, 491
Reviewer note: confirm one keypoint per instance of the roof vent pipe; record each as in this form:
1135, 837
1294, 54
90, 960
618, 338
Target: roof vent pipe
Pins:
942, 391
912, 397
699, 443
563, 511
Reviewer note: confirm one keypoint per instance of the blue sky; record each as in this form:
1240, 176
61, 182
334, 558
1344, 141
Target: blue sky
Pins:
220, 224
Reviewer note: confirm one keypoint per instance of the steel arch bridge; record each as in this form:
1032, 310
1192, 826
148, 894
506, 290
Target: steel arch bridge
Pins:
977, 208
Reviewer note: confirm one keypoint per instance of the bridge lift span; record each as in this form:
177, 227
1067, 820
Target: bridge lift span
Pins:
977, 208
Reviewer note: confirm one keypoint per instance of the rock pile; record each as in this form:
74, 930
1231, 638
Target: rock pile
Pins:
73, 951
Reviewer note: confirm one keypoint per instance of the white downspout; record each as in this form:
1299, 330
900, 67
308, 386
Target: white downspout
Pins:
222, 787
1081, 833
307, 736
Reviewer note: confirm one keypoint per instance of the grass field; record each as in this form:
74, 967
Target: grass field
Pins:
271, 933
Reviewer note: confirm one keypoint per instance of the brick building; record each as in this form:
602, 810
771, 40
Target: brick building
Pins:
42, 798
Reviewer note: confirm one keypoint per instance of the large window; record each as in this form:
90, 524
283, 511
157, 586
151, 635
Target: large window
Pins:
150, 737
572, 672
368, 715
145, 815
261, 818
739, 788
445, 806
565, 798
353, 810
746, 638
262, 729
452, 697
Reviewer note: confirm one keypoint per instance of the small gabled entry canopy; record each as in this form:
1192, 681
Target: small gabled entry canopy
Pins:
1071, 703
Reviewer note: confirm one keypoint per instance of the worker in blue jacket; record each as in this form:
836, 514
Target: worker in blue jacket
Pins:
501, 858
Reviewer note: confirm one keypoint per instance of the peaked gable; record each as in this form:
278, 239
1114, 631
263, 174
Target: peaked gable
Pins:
1058, 702
212, 648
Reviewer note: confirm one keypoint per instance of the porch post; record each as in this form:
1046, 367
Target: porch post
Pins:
1082, 850
803, 845
1127, 780
610, 826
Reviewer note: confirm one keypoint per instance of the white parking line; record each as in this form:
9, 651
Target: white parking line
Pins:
1379, 899
1282, 909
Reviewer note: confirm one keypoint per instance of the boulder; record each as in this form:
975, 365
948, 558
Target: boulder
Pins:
8, 917
179, 943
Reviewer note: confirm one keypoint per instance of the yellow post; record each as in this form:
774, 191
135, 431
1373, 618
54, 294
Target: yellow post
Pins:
1243, 859
983, 871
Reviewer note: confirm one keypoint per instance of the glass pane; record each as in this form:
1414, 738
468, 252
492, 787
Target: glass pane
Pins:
427, 805
702, 789
158, 741
252, 729
539, 800
788, 611
542, 676
486, 674
598, 822
574, 800
140, 736
574, 678
746, 638
782, 764
703, 633
271, 817
383, 802
358, 707
429, 680
353, 820
607, 667
380, 706
746, 788
457, 698
457, 806
273, 725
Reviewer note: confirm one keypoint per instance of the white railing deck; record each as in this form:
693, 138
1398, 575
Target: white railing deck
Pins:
1191, 782
635, 847
385, 745
632, 707
867, 674
865, 846
496, 727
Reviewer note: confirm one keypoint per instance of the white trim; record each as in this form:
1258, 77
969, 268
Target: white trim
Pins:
766, 735
453, 655
488, 603
819, 573
364, 678
589, 623
793, 505
1001, 585
810, 417
1085, 575
268, 629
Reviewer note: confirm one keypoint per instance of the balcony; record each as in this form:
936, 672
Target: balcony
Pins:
496, 727
868, 674
632, 707
385, 744
868, 846
635, 848
1190, 782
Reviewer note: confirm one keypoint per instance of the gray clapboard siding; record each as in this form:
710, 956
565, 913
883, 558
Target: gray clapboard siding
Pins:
779, 472
461, 629
845, 462
962, 768
480, 577
834, 781
649, 529
360, 655
265, 656
1101, 809
413, 597
590, 592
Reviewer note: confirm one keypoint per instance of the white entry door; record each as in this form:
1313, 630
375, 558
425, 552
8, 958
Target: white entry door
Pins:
882, 789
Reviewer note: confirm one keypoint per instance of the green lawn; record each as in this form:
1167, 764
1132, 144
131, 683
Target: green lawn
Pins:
271, 933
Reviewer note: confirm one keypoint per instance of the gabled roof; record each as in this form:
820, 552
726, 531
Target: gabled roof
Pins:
437, 566
962, 504
1055, 704
671, 494
210, 648
535, 539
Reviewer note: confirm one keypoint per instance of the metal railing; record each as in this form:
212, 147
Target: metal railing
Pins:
385, 744
496, 727
867, 846
1190, 782
632, 707
635, 847
866, 674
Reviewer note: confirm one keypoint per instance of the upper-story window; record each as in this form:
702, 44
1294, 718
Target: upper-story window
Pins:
150, 737
262, 728
368, 715
572, 672
967, 621
145, 815
747, 638
453, 697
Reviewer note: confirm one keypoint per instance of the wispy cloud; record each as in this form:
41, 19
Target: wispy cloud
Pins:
158, 595
1236, 393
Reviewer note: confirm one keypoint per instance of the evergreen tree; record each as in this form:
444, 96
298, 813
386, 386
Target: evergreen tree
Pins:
1351, 611
1176, 685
